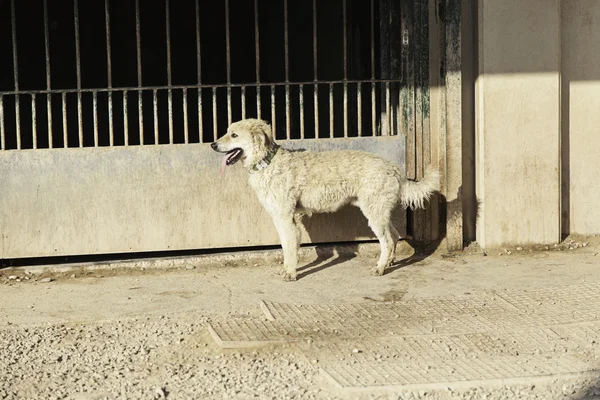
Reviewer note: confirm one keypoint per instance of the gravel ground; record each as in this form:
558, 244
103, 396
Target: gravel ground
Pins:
162, 357
143, 359
142, 335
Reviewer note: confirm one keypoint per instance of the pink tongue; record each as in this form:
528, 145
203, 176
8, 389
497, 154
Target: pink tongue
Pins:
228, 156
224, 164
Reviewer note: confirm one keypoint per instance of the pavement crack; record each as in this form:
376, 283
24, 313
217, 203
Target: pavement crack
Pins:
229, 297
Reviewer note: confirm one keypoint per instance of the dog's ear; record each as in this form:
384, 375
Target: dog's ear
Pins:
266, 134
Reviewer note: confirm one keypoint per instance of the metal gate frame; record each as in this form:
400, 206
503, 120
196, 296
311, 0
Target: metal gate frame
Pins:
399, 102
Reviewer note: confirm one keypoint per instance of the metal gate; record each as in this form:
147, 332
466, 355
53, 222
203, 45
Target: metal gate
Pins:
106, 110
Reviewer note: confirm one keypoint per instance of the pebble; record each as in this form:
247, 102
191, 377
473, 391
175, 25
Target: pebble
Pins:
46, 280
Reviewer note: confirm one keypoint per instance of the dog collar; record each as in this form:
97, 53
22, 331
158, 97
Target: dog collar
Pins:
265, 162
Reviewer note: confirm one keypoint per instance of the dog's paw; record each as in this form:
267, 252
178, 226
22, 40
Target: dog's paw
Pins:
377, 271
289, 277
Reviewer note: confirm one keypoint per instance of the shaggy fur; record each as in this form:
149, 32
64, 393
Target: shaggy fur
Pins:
296, 183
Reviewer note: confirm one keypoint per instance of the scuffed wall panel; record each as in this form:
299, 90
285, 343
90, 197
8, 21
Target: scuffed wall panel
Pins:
150, 198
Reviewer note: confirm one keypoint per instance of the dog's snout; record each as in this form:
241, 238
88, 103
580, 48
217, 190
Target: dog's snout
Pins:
214, 145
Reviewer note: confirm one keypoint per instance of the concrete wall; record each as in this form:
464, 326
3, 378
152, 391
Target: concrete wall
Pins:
537, 120
518, 122
581, 115
133, 199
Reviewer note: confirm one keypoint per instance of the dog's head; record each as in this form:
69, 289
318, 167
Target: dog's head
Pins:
248, 140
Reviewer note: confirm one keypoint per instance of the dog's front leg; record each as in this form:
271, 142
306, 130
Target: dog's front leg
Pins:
288, 234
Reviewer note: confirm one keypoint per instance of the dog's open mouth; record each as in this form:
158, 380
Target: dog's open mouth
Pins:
230, 158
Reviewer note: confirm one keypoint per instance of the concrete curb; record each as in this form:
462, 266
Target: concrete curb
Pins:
236, 258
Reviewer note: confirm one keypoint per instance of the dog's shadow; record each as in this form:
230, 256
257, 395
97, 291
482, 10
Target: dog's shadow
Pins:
326, 257
421, 252
324, 253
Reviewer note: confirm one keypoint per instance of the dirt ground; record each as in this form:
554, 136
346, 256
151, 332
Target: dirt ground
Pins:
137, 332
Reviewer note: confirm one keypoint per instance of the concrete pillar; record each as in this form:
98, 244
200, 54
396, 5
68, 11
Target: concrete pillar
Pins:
518, 122
580, 116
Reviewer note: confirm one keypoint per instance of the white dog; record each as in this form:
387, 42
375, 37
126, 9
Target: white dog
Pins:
289, 184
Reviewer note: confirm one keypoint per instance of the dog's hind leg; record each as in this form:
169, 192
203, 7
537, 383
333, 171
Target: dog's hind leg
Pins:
381, 226
396, 238
386, 241
289, 234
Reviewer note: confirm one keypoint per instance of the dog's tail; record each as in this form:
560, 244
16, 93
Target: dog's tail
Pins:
413, 194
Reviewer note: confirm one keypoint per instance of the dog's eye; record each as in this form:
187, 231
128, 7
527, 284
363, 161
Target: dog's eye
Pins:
234, 135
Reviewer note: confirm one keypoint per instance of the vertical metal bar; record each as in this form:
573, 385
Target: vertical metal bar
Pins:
199, 70
388, 109
228, 61
49, 116
257, 55
316, 101
198, 54
288, 113
170, 105
243, 94
345, 109
200, 119
301, 101
345, 44
331, 111
78, 65
33, 121
125, 119
95, 106
373, 86
64, 120
359, 107
155, 107
108, 51
15, 71
186, 133
373, 109
315, 71
214, 110
140, 118
168, 40
169, 80
138, 43
80, 119
48, 81
287, 69
111, 131
111, 127
273, 111
2, 130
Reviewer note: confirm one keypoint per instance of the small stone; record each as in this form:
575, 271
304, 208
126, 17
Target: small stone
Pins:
519, 248
46, 280
356, 351
73, 276
12, 277
188, 267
